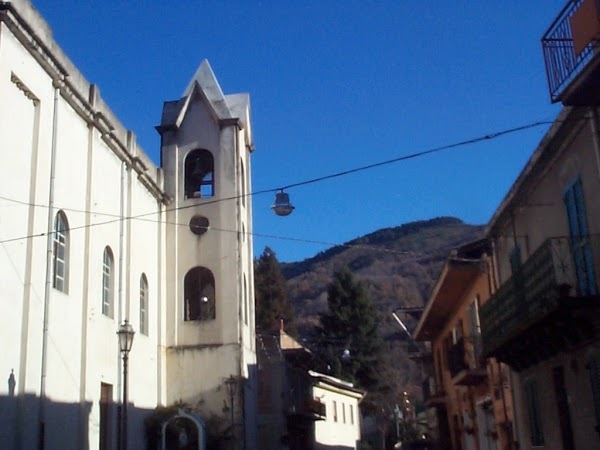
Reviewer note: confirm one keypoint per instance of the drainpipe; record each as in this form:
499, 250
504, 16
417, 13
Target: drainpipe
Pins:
243, 310
48, 286
595, 136
121, 313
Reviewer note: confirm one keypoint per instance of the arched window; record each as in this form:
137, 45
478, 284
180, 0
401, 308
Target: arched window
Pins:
60, 253
108, 282
144, 305
199, 294
199, 174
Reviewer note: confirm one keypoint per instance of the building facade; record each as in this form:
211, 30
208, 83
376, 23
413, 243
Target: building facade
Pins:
300, 408
468, 395
94, 233
543, 317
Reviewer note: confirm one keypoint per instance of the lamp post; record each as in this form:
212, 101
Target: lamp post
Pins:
125, 335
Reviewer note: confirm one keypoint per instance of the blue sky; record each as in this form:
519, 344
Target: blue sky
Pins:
336, 85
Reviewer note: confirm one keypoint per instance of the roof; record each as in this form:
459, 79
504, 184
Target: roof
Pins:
550, 144
339, 385
225, 109
457, 275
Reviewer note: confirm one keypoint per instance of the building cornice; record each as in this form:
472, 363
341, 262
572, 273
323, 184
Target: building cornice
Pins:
71, 85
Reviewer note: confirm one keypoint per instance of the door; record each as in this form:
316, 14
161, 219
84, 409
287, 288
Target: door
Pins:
562, 406
106, 395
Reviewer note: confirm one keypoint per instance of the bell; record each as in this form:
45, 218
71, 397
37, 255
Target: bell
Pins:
282, 206
197, 172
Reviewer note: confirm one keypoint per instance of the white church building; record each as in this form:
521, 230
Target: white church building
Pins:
93, 233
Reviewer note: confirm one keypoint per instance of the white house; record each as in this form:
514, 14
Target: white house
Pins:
341, 428
300, 408
93, 233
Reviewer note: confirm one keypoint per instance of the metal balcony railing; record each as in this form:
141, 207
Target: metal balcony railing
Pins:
558, 269
431, 391
456, 358
565, 55
466, 354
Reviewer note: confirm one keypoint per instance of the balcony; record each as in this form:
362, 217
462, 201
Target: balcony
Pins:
310, 408
433, 396
571, 54
548, 306
466, 362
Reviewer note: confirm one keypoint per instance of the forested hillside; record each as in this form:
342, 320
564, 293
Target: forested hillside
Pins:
399, 266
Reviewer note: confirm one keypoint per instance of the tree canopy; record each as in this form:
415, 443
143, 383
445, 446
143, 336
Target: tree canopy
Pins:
348, 334
271, 296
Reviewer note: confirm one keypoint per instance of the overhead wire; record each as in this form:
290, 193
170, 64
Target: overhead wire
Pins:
373, 247
118, 218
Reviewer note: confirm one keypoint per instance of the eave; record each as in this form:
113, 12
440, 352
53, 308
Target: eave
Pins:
457, 275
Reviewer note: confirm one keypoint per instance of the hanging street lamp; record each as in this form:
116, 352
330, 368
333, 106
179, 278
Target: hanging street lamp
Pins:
282, 205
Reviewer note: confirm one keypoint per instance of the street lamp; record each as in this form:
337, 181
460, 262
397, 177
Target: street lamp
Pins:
125, 335
282, 205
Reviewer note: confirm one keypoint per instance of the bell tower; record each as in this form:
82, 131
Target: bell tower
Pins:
206, 143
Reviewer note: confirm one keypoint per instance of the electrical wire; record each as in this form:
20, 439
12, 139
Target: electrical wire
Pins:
372, 247
486, 137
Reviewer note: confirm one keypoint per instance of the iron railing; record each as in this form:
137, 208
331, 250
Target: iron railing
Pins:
559, 268
466, 354
562, 61
430, 389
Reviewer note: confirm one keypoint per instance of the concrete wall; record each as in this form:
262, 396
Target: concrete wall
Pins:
82, 350
113, 196
225, 345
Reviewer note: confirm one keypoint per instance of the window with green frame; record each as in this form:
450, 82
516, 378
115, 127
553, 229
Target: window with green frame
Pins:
580, 241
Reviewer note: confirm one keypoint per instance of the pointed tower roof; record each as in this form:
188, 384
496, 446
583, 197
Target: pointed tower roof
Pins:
205, 84
205, 79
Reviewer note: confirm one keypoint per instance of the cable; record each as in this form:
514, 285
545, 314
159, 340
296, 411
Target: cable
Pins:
489, 136
372, 247
418, 154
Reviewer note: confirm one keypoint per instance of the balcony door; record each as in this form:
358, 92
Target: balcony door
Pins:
562, 407
581, 248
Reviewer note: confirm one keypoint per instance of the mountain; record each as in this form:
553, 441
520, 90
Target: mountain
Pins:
399, 266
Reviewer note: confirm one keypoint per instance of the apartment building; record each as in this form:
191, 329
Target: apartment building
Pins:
543, 320
467, 394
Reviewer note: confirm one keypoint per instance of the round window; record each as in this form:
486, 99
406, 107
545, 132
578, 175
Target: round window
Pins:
199, 225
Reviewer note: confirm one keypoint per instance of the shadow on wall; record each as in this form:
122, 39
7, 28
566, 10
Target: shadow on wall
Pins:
67, 424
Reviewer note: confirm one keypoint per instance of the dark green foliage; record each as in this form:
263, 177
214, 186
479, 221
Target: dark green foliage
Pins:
350, 323
398, 266
271, 294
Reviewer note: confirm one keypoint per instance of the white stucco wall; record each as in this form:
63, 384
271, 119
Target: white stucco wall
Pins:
101, 173
82, 347
223, 346
341, 430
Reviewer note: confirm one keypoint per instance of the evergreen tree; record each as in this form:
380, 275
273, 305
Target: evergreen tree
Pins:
348, 334
271, 295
